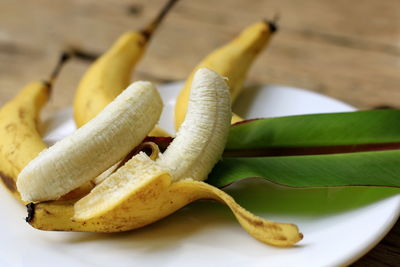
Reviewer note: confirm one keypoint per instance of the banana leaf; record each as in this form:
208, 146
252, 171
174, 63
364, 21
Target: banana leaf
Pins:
320, 150
381, 168
352, 130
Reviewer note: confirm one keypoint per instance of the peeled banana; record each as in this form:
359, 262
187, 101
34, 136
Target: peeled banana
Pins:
201, 139
107, 138
20, 141
231, 61
145, 190
110, 74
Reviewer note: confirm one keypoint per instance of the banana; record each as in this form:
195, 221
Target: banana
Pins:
20, 141
110, 74
145, 190
200, 141
142, 192
108, 137
232, 61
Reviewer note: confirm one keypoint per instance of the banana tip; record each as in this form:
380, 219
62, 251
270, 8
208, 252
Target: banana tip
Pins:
273, 27
31, 212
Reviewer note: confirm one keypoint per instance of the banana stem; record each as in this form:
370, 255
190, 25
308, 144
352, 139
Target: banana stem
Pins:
272, 23
83, 54
152, 26
65, 56
147, 32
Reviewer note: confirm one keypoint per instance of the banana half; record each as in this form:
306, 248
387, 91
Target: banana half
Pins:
94, 147
145, 190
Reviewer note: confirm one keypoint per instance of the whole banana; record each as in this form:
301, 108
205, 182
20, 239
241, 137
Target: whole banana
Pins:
110, 74
111, 135
231, 61
144, 191
20, 141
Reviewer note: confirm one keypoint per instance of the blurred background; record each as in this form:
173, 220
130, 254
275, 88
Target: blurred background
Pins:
349, 50
344, 49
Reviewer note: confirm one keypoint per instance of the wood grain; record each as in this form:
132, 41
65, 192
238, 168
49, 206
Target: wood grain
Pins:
345, 49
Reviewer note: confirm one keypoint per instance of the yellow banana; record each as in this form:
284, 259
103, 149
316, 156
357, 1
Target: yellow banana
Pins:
20, 141
231, 61
110, 74
144, 191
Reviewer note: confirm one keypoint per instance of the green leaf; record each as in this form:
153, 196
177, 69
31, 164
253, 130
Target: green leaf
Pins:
300, 140
317, 130
365, 168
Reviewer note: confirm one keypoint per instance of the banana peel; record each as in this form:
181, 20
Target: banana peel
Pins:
132, 205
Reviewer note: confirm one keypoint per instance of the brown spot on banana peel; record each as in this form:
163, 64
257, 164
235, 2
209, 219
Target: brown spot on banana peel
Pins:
8, 182
11, 127
21, 113
48, 212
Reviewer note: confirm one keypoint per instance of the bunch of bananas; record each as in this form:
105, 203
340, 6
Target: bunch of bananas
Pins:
91, 181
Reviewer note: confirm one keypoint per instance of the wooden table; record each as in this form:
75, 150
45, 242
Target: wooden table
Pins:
346, 50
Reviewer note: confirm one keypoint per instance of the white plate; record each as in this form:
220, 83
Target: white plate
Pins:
339, 225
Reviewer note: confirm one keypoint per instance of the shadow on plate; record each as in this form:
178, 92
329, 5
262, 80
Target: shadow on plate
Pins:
196, 218
261, 196
246, 99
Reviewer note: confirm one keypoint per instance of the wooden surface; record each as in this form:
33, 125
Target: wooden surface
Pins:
349, 50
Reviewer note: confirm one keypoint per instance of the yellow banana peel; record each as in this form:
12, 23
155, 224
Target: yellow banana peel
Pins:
122, 205
20, 141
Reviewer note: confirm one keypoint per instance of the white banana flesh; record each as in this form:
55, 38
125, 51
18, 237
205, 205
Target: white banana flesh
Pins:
197, 147
94, 147
202, 136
